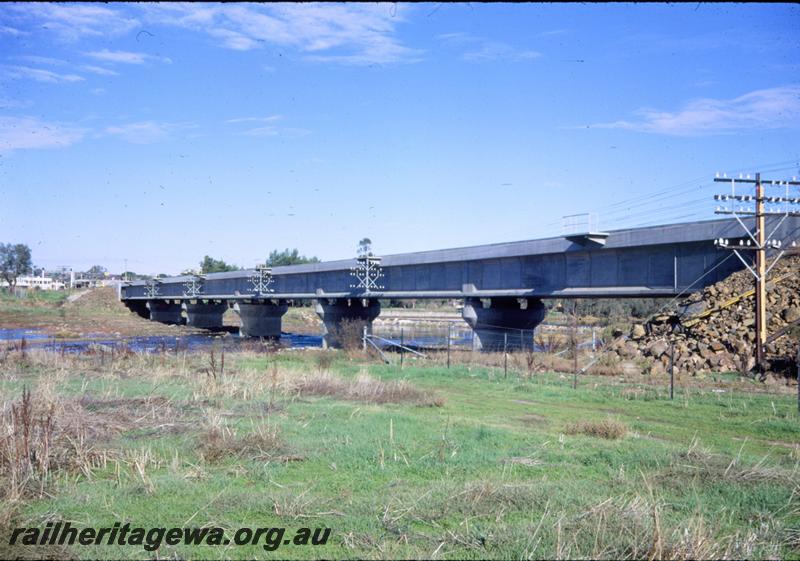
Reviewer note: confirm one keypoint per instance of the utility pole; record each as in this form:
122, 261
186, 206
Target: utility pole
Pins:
574, 341
761, 241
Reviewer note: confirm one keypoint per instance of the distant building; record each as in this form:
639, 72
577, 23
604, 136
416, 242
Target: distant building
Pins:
41, 283
82, 283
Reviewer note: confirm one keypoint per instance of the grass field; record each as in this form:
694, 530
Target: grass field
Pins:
36, 304
94, 311
420, 462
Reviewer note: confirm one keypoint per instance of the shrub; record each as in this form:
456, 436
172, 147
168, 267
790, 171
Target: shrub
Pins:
219, 443
350, 334
608, 429
324, 360
367, 389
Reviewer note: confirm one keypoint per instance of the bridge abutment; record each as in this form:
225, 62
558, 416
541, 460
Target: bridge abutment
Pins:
335, 314
165, 311
262, 319
497, 320
207, 315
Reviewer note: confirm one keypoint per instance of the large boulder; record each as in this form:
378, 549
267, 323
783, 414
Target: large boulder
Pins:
791, 315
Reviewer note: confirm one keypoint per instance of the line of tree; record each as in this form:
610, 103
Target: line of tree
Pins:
15, 261
619, 309
365, 247
211, 265
288, 257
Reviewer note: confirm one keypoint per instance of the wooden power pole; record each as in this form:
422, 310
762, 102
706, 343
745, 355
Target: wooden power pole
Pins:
760, 241
761, 274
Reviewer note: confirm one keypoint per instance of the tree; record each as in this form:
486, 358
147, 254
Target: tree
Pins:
15, 260
96, 272
209, 265
282, 258
365, 247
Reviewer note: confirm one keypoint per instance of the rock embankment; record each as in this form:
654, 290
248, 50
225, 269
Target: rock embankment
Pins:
724, 339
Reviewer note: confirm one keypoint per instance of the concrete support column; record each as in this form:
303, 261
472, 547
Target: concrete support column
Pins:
138, 307
333, 312
205, 315
165, 311
261, 319
493, 319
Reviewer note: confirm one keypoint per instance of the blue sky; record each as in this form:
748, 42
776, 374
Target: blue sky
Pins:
158, 133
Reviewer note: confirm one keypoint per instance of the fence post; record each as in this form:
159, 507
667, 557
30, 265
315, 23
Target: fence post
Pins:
574, 337
798, 379
672, 369
505, 354
402, 348
364, 339
449, 336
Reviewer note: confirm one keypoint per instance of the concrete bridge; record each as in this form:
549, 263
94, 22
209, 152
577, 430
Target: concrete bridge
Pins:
502, 284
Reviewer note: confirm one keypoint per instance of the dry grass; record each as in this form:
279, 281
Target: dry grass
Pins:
43, 435
220, 443
478, 499
607, 428
703, 466
27, 447
289, 503
520, 363
621, 527
607, 365
364, 388
633, 528
523, 461
324, 360
209, 381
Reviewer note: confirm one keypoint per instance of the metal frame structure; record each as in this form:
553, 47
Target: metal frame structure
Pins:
151, 288
261, 279
194, 286
367, 272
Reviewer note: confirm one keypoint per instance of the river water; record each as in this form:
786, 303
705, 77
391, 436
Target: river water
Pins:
387, 337
36, 339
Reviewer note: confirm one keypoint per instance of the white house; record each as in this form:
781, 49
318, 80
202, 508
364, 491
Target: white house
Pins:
42, 283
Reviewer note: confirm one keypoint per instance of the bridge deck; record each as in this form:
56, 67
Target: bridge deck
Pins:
658, 261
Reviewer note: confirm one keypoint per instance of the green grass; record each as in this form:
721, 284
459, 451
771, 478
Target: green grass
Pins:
35, 296
490, 474
45, 303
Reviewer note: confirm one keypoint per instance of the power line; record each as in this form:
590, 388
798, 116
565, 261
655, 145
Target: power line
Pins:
671, 190
689, 186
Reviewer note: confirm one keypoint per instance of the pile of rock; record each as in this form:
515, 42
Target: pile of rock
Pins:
723, 341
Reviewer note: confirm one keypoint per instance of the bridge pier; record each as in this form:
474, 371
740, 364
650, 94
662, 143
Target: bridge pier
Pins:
503, 318
334, 312
165, 312
262, 319
138, 307
206, 315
